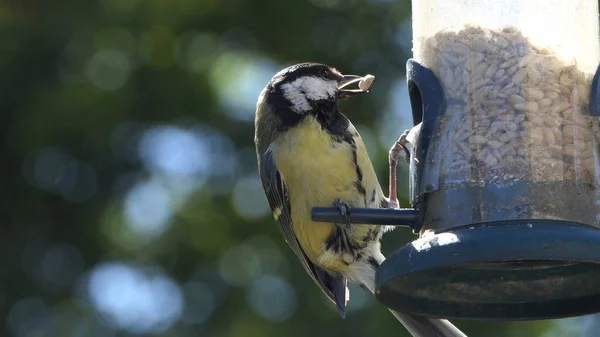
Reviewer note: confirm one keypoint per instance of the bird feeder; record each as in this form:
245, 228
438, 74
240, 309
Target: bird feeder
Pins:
505, 168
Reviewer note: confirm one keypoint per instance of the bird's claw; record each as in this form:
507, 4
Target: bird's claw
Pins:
395, 155
399, 146
343, 208
392, 203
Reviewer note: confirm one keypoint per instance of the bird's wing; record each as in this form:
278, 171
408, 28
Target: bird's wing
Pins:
333, 286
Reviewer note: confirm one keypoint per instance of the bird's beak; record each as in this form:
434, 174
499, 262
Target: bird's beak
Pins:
346, 81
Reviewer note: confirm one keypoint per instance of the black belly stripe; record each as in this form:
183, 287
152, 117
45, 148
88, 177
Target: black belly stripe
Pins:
340, 242
348, 138
359, 175
336, 124
360, 187
333, 242
369, 237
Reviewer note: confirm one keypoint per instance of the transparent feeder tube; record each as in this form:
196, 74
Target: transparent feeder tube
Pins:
516, 77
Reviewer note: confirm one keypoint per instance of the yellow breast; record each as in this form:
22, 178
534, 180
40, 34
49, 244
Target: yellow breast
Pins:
316, 169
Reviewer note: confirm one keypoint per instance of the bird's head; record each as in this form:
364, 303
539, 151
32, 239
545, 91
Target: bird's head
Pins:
303, 90
307, 87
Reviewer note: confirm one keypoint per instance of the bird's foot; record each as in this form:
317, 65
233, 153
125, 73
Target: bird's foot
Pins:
343, 208
392, 203
399, 151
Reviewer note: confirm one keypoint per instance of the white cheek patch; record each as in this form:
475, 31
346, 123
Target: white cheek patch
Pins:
296, 97
316, 88
308, 88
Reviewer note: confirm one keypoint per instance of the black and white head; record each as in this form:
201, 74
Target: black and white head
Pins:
308, 88
301, 90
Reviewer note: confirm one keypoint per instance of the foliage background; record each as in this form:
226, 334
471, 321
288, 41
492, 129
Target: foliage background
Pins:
130, 199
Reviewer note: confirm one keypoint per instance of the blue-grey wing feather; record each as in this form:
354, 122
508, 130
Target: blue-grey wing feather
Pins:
334, 286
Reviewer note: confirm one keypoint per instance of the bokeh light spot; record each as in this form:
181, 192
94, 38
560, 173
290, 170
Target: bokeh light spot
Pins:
404, 35
200, 302
238, 79
271, 259
396, 118
370, 140
189, 157
210, 278
137, 300
272, 297
117, 38
55, 170
173, 150
83, 185
196, 51
249, 199
109, 69
29, 317
157, 46
239, 265
71, 63
238, 39
60, 265
148, 209
124, 140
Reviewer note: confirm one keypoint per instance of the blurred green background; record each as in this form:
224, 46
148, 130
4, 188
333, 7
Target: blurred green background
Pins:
131, 204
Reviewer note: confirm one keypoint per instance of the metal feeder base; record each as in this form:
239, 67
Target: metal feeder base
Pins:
510, 270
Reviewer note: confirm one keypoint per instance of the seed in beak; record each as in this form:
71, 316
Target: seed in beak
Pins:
365, 82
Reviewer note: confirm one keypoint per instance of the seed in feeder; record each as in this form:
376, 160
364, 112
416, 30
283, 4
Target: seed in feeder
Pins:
477, 139
532, 107
494, 144
513, 103
505, 137
535, 93
519, 76
365, 82
490, 160
514, 99
545, 102
521, 106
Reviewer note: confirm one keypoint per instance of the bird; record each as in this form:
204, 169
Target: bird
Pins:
310, 155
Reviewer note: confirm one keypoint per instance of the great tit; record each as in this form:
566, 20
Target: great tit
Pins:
310, 155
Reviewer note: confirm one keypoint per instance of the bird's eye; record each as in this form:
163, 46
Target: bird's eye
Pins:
323, 73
